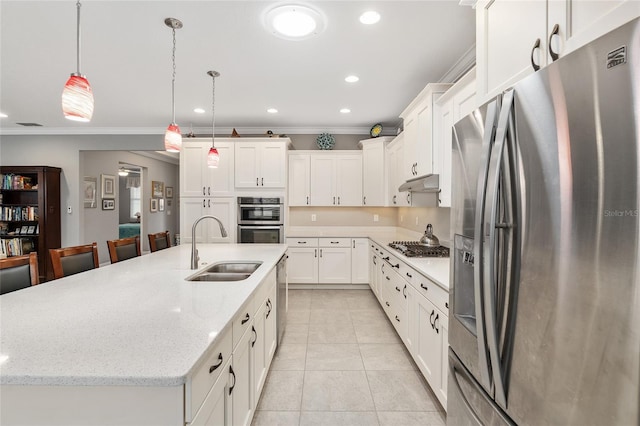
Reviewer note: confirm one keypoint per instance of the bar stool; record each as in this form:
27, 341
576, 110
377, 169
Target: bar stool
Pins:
159, 241
18, 272
72, 260
123, 248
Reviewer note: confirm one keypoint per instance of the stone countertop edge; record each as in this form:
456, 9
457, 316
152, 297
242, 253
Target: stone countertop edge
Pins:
133, 323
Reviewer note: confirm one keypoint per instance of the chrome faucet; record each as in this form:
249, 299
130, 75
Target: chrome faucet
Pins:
194, 250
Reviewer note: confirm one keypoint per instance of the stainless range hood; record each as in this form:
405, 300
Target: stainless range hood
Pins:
426, 183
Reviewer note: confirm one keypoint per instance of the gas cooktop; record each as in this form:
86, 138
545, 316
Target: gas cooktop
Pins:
415, 249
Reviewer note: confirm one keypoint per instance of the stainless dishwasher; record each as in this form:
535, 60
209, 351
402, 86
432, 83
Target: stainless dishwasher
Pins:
281, 298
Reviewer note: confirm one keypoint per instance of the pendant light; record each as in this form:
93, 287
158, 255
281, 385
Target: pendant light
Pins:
77, 96
213, 157
173, 137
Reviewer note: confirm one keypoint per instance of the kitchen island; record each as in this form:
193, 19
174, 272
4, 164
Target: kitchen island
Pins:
120, 344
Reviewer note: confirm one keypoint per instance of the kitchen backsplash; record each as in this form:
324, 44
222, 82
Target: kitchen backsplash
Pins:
439, 217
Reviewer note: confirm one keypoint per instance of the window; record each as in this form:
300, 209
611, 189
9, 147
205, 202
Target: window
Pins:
135, 207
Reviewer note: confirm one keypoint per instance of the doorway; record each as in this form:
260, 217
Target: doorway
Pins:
131, 213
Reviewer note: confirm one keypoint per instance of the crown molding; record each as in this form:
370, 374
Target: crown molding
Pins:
461, 67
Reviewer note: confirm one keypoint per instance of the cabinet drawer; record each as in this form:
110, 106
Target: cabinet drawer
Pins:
243, 320
432, 291
334, 242
208, 372
302, 242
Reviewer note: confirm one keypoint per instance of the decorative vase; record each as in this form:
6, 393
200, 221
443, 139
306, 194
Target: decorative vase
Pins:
325, 141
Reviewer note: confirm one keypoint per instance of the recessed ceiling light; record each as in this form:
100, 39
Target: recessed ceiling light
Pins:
345, 110
352, 78
294, 22
198, 110
272, 111
3, 115
370, 17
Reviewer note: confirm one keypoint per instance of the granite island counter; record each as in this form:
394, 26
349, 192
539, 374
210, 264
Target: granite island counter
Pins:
120, 344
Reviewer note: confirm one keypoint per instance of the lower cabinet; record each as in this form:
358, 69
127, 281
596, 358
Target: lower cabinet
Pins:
216, 406
334, 265
241, 388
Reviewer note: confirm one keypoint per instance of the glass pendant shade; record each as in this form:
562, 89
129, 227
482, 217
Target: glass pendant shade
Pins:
173, 138
77, 99
213, 158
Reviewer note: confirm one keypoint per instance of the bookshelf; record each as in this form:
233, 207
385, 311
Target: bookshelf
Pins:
30, 213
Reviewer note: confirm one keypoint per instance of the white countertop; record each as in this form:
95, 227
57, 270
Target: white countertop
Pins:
136, 322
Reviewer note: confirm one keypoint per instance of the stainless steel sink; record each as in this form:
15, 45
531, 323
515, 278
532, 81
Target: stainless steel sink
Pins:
226, 271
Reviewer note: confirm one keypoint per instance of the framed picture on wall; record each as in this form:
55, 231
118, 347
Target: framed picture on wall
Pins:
157, 189
169, 192
154, 205
89, 191
108, 204
108, 183
161, 204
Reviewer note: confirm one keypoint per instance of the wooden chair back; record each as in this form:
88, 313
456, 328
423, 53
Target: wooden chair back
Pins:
18, 272
124, 248
72, 260
159, 241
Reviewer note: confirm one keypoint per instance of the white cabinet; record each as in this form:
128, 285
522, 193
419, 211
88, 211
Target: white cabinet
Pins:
260, 164
198, 180
456, 103
241, 388
302, 266
208, 230
215, 410
510, 35
418, 139
299, 179
395, 164
359, 260
336, 179
334, 264
374, 176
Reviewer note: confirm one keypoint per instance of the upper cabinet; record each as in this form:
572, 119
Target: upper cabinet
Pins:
374, 176
514, 37
395, 177
299, 179
261, 164
198, 180
456, 103
336, 179
418, 124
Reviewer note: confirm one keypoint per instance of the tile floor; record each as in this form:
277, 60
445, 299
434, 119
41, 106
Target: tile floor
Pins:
342, 363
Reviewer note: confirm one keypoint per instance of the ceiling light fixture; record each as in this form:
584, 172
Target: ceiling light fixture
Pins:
199, 110
345, 110
3, 115
173, 137
123, 172
213, 157
272, 111
351, 78
77, 96
294, 22
370, 17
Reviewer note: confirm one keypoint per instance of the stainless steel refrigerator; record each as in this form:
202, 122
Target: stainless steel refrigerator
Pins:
545, 327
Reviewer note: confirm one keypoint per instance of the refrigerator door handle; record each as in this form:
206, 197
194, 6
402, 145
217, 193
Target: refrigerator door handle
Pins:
489, 256
483, 361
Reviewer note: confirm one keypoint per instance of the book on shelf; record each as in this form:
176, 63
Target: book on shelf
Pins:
13, 181
16, 246
19, 213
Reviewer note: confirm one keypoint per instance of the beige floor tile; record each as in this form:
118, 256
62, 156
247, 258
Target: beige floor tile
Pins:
378, 331
300, 316
400, 391
332, 333
290, 356
335, 418
276, 418
329, 316
334, 356
282, 391
386, 356
336, 391
365, 316
296, 333
411, 418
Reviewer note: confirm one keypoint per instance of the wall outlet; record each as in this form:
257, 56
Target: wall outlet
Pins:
376, 218
313, 218
416, 220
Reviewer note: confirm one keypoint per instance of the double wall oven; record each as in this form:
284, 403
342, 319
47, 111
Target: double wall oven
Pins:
260, 220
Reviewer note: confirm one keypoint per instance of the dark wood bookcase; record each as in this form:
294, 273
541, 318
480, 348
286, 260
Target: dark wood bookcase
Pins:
30, 213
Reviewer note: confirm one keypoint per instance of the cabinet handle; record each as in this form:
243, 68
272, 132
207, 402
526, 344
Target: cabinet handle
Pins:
398, 289
204, 203
315, 253
338, 200
245, 320
434, 323
536, 45
234, 379
269, 306
387, 277
255, 333
215, 367
307, 200
209, 203
203, 191
302, 242
387, 303
431, 318
257, 182
394, 199
374, 260
397, 319
320, 252
397, 265
409, 275
404, 291
408, 198
386, 258
554, 32
262, 181
335, 242
424, 286
208, 190
446, 305
354, 243
364, 200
